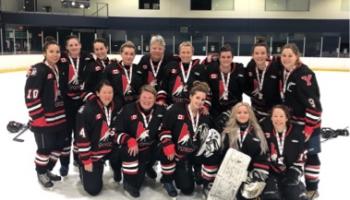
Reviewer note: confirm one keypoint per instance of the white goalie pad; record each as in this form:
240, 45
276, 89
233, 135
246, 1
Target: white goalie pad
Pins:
232, 172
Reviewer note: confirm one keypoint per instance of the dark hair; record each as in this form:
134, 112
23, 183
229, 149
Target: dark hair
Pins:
285, 110
49, 40
148, 88
100, 40
127, 44
102, 83
199, 86
260, 44
225, 48
71, 37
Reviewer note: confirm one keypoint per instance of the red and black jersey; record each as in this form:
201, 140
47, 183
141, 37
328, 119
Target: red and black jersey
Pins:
95, 133
263, 86
300, 92
73, 73
177, 83
179, 129
134, 122
95, 72
44, 100
286, 149
125, 90
249, 144
155, 70
234, 81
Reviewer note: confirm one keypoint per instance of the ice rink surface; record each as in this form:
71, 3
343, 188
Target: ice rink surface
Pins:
18, 178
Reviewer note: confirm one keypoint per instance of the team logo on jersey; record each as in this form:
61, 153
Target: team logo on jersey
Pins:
133, 117
180, 117
213, 76
104, 133
141, 133
98, 116
97, 68
115, 71
307, 79
184, 136
178, 87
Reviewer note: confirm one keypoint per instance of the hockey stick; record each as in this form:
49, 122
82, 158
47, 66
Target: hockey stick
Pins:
16, 138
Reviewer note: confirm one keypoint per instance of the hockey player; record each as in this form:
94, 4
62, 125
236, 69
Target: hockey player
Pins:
300, 92
72, 70
184, 129
95, 137
138, 129
243, 133
180, 75
262, 81
155, 64
126, 77
46, 111
226, 82
287, 151
96, 67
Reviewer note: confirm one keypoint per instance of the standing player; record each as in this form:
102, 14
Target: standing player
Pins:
125, 76
137, 131
46, 110
299, 91
180, 76
262, 81
72, 69
226, 82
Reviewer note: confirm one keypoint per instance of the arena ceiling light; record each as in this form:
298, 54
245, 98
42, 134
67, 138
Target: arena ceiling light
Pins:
75, 3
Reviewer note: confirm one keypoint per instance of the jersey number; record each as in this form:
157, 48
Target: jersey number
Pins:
32, 94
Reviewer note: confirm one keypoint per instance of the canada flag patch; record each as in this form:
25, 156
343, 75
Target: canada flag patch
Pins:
180, 117
98, 116
133, 117
213, 76
115, 71
173, 71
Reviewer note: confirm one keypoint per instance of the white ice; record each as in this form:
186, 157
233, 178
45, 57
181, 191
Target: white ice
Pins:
18, 177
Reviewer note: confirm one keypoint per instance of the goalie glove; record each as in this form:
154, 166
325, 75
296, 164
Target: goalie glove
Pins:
255, 184
210, 144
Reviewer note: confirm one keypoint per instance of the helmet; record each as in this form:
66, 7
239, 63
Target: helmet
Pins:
14, 127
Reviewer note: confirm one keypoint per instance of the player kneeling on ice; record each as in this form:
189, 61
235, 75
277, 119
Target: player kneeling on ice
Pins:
137, 130
287, 148
95, 137
182, 157
243, 134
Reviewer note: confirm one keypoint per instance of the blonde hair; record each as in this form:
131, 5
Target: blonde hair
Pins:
148, 88
157, 39
185, 44
232, 127
127, 44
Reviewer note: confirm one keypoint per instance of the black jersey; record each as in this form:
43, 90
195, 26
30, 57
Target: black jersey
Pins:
44, 100
263, 86
136, 123
95, 133
226, 89
300, 92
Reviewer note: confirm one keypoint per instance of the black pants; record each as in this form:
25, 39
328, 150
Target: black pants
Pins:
276, 190
92, 181
134, 167
49, 146
313, 163
72, 107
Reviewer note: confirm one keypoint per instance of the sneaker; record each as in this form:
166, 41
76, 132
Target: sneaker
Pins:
44, 180
64, 170
170, 188
151, 173
206, 189
52, 176
131, 190
312, 194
